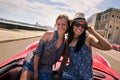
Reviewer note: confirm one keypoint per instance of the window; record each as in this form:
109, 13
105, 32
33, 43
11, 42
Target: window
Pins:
112, 15
117, 28
103, 18
109, 36
110, 26
106, 16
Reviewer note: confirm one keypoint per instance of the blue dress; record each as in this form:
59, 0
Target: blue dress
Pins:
80, 67
48, 54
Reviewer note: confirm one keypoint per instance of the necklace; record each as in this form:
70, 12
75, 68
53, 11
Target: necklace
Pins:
75, 38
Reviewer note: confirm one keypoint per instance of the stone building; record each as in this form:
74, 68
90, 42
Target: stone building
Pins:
108, 24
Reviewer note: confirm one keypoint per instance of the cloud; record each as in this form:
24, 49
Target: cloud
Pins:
80, 5
46, 11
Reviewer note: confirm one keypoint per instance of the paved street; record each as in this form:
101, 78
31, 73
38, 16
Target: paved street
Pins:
112, 56
16, 34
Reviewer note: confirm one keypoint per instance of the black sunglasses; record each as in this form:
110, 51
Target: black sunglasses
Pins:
77, 24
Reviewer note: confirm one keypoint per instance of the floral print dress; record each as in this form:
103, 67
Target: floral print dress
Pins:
48, 54
80, 66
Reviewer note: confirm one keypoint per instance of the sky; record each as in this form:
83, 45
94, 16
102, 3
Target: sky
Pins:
45, 12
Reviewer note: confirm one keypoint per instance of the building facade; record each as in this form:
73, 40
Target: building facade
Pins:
108, 24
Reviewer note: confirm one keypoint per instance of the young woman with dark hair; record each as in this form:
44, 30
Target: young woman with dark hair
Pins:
79, 50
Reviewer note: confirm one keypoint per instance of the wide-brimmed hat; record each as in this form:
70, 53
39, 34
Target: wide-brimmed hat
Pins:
79, 17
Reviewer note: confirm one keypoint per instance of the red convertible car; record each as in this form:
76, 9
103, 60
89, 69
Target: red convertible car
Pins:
11, 68
116, 46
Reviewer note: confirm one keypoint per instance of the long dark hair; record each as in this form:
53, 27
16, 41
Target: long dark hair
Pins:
81, 39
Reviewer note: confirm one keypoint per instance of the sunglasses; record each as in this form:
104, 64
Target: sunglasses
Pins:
77, 24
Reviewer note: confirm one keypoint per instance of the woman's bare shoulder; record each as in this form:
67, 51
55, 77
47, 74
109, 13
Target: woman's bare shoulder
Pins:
48, 35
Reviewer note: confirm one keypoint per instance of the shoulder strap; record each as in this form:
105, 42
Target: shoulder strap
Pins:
56, 34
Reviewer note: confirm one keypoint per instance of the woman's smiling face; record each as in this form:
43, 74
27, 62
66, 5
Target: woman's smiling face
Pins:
62, 25
78, 28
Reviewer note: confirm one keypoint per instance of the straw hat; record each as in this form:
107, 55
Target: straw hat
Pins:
79, 17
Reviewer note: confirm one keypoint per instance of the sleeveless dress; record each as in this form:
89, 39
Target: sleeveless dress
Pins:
80, 67
48, 54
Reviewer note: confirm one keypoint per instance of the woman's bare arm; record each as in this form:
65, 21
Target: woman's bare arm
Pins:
98, 41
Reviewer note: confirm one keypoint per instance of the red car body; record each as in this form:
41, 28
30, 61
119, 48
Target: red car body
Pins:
116, 46
11, 68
